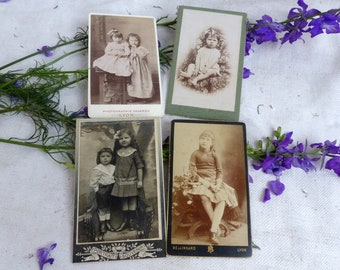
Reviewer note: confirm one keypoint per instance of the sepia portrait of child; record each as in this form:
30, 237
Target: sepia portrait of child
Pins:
206, 76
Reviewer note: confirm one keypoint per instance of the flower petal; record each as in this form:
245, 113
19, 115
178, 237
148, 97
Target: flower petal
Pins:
247, 73
334, 164
250, 179
43, 255
266, 196
276, 187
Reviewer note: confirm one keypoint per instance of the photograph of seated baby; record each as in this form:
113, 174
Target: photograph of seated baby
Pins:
126, 70
206, 67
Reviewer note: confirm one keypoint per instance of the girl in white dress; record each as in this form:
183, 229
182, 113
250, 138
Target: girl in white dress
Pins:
116, 57
206, 62
141, 80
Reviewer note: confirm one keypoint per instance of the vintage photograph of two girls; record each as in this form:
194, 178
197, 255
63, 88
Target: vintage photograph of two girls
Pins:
124, 70
119, 193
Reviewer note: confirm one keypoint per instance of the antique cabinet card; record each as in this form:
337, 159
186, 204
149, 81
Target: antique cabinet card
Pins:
124, 71
207, 68
208, 190
119, 202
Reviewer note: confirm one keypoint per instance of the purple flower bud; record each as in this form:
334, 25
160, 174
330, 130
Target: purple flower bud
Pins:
247, 73
43, 255
83, 112
14, 99
19, 83
46, 51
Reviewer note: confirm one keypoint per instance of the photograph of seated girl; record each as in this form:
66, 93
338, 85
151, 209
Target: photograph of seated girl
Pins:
114, 62
206, 169
206, 68
140, 90
205, 207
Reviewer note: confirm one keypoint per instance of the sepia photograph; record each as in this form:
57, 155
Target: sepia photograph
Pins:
124, 72
208, 193
206, 76
119, 190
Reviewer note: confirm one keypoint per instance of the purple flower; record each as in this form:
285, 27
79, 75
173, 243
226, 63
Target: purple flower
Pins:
43, 255
46, 50
276, 187
283, 142
266, 196
301, 159
279, 155
247, 73
302, 12
271, 165
19, 83
294, 32
334, 164
326, 148
287, 162
265, 30
327, 22
331, 148
299, 16
14, 99
83, 112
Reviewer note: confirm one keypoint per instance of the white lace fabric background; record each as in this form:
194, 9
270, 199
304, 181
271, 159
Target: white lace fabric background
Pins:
295, 86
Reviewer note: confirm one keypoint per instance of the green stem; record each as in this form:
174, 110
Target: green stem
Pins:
62, 57
168, 24
36, 70
68, 84
37, 53
298, 17
308, 17
12, 109
43, 147
260, 154
58, 72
